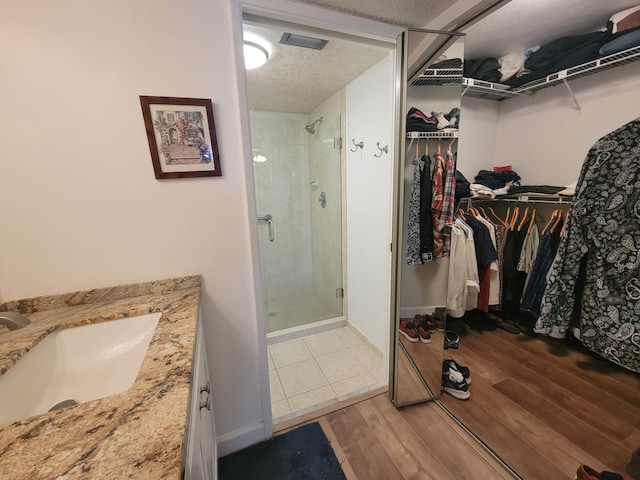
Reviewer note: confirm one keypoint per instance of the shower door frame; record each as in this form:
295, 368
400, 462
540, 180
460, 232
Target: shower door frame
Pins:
308, 170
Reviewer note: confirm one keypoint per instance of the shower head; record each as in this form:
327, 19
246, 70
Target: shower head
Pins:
311, 128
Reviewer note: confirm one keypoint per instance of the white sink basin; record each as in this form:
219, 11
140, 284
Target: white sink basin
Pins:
79, 363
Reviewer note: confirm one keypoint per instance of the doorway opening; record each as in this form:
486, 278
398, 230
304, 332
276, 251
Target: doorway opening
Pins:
298, 110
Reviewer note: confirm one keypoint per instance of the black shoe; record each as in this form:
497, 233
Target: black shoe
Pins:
455, 112
451, 339
459, 390
508, 326
450, 364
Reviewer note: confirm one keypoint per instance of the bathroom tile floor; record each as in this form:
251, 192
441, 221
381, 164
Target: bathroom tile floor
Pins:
314, 371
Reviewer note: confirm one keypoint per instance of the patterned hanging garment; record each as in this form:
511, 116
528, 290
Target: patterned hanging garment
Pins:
413, 222
602, 238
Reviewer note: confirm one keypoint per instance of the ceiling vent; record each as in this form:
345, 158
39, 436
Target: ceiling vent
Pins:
303, 41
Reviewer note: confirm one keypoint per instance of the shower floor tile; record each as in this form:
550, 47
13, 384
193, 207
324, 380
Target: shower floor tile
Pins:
301, 377
324, 343
314, 371
338, 366
287, 353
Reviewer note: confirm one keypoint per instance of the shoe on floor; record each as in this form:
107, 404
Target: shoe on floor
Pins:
423, 332
451, 339
450, 364
585, 472
459, 390
439, 322
409, 330
633, 467
428, 320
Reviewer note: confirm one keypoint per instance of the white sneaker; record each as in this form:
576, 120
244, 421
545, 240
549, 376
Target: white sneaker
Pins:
459, 390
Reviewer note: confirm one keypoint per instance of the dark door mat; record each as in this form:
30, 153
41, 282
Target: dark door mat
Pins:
300, 454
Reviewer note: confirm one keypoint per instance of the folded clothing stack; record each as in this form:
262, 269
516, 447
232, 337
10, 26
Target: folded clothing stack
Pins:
495, 180
417, 121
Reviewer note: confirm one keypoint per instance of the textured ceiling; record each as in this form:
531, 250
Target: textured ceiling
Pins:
296, 80
408, 13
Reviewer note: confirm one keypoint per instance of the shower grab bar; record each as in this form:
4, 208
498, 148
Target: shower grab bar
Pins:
269, 219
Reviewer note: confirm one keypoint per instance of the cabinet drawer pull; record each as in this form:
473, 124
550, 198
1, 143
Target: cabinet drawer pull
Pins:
206, 388
206, 404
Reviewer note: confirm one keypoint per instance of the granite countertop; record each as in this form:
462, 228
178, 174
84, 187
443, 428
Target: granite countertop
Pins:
136, 434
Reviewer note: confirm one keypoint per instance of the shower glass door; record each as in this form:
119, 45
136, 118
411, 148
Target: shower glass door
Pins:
297, 170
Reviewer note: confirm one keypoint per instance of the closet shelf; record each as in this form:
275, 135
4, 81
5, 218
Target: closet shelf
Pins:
588, 68
472, 87
496, 91
438, 76
448, 133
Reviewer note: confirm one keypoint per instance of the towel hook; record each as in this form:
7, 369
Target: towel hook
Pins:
357, 145
384, 149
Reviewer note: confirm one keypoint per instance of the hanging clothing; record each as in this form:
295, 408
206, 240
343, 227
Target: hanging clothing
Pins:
426, 217
414, 256
486, 254
494, 274
532, 296
443, 202
447, 217
463, 283
513, 280
603, 237
529, 250
501, 235
437, 202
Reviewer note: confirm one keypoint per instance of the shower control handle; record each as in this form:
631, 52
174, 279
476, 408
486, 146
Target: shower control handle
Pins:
269, 219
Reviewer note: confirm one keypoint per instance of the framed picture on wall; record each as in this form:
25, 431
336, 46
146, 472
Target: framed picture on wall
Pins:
182, 137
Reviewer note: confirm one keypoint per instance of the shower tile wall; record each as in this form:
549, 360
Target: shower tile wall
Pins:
282, 139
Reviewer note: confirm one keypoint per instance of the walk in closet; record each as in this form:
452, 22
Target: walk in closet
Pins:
543, 404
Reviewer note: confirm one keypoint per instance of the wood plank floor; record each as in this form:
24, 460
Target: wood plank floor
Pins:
545, 407
375, 441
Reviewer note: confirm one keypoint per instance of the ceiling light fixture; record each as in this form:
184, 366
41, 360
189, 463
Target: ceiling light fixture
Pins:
254, 55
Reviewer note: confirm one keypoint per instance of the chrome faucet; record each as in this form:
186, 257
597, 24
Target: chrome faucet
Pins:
13, 320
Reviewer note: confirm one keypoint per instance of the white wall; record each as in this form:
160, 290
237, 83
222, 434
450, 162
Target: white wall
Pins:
79, 195
478, 132
370, 103
546, 138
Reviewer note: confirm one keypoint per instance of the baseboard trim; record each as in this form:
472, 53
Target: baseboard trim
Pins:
241, 438
410, 312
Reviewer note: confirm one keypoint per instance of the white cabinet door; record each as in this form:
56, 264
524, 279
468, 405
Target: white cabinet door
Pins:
206, 422
201, 458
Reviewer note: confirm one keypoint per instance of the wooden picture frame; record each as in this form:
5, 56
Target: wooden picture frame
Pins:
182, 137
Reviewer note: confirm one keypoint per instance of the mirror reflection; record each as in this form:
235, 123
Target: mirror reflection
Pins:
433, 114
552, 357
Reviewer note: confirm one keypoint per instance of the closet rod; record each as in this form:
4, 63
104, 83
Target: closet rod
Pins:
559, 201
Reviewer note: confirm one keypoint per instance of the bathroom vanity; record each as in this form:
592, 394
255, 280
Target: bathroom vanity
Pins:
143, 432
